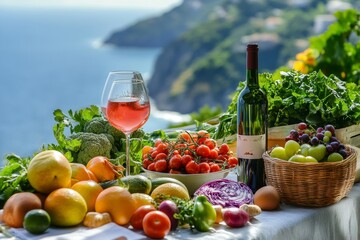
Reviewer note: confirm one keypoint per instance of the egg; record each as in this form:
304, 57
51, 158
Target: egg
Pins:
267, 198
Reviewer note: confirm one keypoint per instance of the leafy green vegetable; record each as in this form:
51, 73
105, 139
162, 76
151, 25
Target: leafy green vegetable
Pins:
13, 177
339, 47
313, 98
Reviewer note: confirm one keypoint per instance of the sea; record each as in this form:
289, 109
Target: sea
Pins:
53, 58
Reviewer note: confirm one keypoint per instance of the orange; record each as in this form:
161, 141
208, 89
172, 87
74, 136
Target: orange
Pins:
142, 199
89, 190
49, 170
17, 206
118, 202
66, 207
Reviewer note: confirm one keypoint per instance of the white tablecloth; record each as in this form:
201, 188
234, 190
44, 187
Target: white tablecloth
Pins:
339, 221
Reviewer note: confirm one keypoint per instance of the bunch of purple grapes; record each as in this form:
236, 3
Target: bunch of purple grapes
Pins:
322, 135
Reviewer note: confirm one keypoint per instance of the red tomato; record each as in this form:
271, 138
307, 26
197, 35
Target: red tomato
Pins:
203, 133
232, 162
146, 162
213, 154
184, 136
154, 154
204, 167
185, 159
224, 149
151, 167
162, 148
156, 224
192, 167
175, 162
160, 156
157, 142
211, 143
215, 168
138, 216
161, 165
203, 151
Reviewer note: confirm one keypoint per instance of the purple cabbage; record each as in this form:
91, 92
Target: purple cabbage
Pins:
226, 192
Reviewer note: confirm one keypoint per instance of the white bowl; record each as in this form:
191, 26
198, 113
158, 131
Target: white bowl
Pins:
191, 181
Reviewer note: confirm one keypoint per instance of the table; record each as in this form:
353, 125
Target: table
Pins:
339, 221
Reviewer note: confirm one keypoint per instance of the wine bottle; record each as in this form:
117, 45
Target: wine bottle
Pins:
252, 125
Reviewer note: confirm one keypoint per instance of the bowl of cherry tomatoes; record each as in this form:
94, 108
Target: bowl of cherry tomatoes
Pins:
192, 158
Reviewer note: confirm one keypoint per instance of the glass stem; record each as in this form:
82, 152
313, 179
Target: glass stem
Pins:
127, 137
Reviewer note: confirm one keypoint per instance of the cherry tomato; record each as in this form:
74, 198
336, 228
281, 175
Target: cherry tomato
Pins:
157, 142
185, 159
211, 143
151, 167
192, 167
203, 151
213, 154
153, 154
161, 165
184, 136
175, 162
160, 156
138, 216
204, 167
162, 148
146, 162
156, 224
215, 168
203, 133
224, 149
232, 162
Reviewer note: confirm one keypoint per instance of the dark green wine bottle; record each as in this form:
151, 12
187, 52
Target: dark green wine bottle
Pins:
252, 125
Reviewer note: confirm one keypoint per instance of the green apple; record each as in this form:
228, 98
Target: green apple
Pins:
302, 159
310, 159
335, 157
279, 152
318, 152
297, 158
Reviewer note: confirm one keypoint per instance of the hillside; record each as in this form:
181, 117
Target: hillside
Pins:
204, 64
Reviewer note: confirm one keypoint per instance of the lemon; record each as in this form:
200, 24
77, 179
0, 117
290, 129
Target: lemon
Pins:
66, 207
171, 189
49, 170
37, 221
142, 199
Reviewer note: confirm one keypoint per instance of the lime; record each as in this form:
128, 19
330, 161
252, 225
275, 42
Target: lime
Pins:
37, 221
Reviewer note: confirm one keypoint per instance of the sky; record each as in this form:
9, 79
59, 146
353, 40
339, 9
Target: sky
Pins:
154, 4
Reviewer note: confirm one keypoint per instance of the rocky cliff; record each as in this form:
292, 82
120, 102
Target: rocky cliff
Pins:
203, 56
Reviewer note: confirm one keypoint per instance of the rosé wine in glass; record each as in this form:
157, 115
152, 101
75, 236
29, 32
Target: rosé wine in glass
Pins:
115, 76
128, 107
127, 114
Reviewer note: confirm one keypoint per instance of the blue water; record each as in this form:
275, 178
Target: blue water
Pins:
53, 58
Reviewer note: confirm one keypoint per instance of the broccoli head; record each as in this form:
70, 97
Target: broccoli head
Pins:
92, 145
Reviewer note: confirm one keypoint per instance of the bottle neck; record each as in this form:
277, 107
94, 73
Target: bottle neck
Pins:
252, 65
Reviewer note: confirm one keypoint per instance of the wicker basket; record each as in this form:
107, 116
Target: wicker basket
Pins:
311, 185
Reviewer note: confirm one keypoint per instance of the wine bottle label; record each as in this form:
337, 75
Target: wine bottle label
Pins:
251, 146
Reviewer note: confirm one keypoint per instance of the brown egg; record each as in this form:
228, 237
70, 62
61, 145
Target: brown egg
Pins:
267, 198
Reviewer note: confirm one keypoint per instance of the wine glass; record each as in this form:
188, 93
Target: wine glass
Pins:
115, 76
128, 107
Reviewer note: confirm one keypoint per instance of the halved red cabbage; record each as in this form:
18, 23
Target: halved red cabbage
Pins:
226, 192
